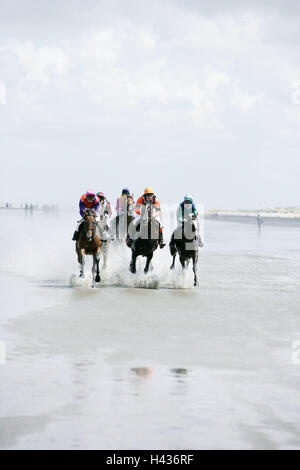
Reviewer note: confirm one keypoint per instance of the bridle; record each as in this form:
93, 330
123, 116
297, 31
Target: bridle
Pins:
147, 215
90, 224
130, 207
188, 226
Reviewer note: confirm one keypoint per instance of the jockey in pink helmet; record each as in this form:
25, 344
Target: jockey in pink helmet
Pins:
89, 200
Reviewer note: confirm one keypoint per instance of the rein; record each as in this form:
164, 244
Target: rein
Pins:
147, 215
188, 228
91, 228
130, 206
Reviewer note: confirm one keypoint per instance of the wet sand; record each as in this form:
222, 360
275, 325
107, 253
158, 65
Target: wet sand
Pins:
146, 362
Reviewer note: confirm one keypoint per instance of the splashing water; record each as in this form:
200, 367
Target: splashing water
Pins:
46, 253
117, 273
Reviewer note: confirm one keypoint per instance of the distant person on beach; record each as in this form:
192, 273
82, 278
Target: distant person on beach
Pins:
260, 220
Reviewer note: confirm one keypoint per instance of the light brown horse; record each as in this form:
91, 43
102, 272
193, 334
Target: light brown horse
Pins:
89, 243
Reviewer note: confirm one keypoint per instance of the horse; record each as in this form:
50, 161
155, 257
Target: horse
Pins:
105, 236
185, 243
89, 243
147, 242
123, 220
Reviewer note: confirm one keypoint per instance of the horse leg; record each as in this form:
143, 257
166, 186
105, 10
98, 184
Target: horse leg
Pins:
173, 264
182, 261
93, 271
105, 254
149, 258
98, 278
117, 222
81, 260
78, 252
195, 271
132, 267
173, 250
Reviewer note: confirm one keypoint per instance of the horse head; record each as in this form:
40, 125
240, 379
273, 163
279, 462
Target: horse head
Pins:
189, 226
190, 218
130, 206
103, 211
148, 213
90, 223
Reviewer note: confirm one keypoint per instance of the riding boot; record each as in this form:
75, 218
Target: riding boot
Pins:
75, 236
161, 239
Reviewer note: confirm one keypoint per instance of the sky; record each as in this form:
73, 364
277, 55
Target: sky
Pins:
187, 96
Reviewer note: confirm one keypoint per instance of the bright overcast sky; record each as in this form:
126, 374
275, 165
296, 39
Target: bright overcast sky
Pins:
188, 96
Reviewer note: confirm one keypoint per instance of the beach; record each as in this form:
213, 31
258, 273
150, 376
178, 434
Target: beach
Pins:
146, 362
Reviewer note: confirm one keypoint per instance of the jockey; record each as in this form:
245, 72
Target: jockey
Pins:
122, 201
89, 200
148, 198
187, 208
105, 210
105, 207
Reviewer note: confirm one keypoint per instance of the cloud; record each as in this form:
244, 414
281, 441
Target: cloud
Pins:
215, 79
242, 99
150, 88
40, 63
2, 92
296, 92
130, 80
100, 49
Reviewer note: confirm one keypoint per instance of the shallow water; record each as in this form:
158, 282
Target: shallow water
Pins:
144, 362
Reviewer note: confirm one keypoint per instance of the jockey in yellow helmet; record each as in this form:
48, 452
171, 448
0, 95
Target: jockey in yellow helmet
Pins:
148, 198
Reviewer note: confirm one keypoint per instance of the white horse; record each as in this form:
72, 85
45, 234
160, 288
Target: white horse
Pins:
105, 234
125, 217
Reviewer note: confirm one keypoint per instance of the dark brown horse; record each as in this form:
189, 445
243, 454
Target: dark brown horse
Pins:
123, 220
89, 243
146, 242
186, 244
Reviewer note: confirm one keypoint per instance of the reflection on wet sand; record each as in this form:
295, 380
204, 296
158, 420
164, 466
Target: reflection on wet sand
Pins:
144, 372
179, 372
